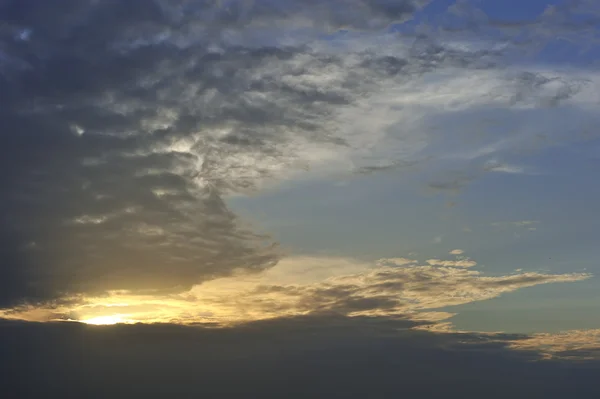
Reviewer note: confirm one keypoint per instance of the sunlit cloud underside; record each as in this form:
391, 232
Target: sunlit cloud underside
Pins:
300, 286
393, 287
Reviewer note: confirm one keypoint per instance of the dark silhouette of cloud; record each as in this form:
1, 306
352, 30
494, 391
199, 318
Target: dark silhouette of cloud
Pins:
317, 356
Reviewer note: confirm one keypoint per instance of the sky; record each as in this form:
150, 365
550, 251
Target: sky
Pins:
299, 198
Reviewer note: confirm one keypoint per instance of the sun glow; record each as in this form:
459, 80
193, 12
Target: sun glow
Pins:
105, 320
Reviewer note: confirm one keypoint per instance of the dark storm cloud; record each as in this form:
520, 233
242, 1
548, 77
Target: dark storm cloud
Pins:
318, 357
125, 122
111, 171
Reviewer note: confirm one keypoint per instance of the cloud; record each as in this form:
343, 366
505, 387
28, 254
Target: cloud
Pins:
525, 224
395, 262
572, 345
128, 125
392, 287
504, 168
457, 252
452, 263
310, 356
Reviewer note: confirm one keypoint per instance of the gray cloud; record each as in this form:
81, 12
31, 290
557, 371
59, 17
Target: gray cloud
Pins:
127, 123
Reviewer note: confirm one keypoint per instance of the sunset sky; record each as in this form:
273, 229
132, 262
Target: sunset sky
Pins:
299, 198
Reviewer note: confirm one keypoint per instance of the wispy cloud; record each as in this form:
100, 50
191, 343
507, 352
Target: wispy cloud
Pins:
523, 224
504, 168
572, 345
452, 263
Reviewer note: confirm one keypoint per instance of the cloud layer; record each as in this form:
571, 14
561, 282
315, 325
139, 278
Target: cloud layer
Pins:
298, 286
316, 356
126, 124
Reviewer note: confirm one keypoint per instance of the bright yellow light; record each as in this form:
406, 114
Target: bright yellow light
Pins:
104, 320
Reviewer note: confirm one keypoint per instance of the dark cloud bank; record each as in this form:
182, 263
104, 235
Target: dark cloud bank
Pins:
125, 123
309, 357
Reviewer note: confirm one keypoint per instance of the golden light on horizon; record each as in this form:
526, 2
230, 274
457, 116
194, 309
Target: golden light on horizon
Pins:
105, 320
298, 286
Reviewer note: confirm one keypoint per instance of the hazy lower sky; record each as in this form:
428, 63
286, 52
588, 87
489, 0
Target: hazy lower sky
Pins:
299, 198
